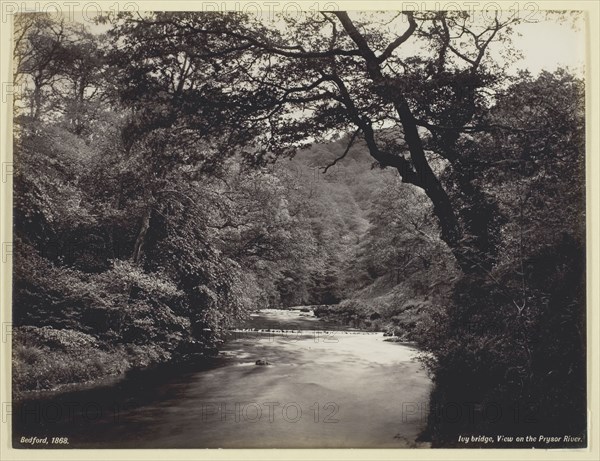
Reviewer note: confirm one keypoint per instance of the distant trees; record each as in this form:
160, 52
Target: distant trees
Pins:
38, 43
61, 68
357, 79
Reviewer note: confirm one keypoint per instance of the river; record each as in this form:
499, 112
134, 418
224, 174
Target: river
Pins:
325, 387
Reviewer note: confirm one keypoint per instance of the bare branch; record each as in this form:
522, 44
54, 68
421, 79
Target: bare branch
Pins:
350, 143
400, 40
247, 41
447, 43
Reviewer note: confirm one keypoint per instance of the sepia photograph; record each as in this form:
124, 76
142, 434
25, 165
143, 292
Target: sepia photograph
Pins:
298, 227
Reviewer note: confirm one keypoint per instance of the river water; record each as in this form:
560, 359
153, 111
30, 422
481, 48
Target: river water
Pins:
325, 387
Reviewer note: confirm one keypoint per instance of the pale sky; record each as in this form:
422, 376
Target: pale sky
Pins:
545, 44
548, 45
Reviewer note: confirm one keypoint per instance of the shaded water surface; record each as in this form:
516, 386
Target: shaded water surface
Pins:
324, 387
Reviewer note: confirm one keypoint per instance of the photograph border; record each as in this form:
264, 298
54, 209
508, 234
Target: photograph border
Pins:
592, 83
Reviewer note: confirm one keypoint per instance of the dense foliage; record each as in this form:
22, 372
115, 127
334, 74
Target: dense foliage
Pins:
181, 170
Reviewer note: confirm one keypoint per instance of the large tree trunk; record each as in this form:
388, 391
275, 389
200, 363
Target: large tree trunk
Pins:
442, 206
470, 220
471, 253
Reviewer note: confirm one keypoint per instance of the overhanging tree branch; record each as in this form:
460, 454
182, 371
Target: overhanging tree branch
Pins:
341, 157
424, 175
400, 40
